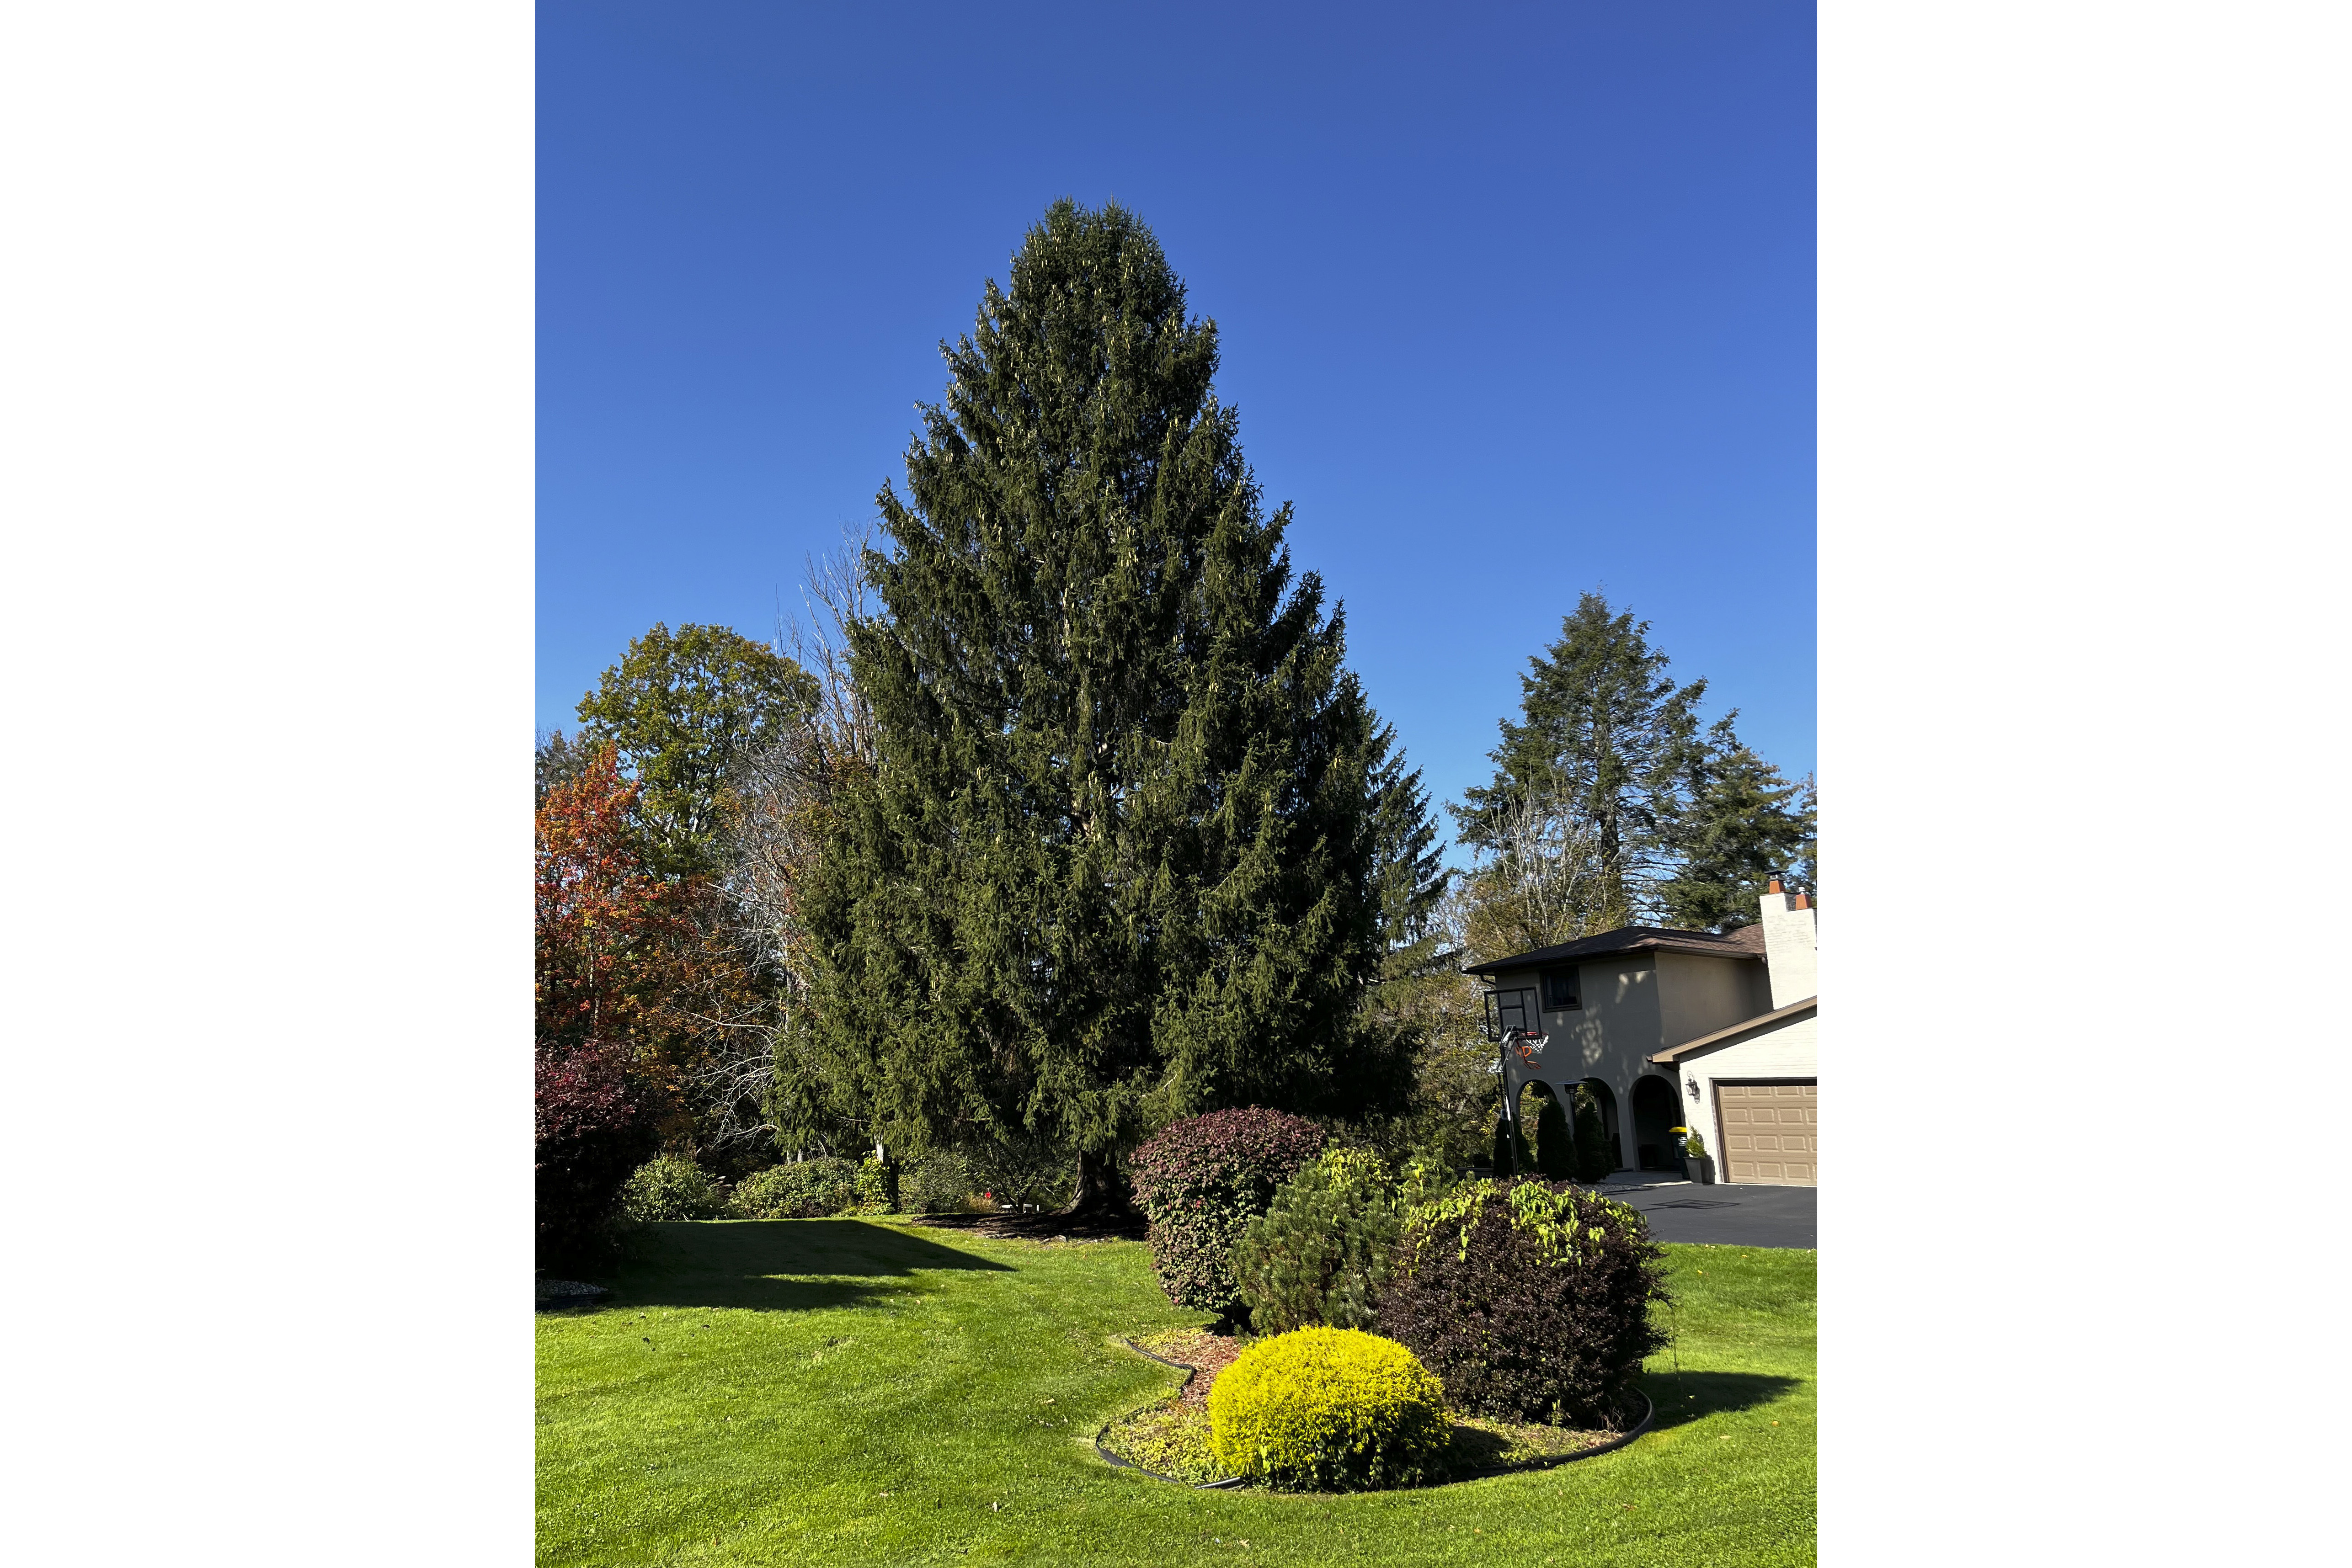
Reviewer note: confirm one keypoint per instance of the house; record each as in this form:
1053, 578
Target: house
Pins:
1710, 1031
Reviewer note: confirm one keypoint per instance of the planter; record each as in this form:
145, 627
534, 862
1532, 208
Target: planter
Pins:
1699, 1168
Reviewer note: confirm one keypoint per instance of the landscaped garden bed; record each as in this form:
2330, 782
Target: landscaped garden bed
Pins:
1171, 1439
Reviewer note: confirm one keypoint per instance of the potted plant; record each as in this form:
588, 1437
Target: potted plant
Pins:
1697, 1165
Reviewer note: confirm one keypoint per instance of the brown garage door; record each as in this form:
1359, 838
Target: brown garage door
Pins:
1769, 1132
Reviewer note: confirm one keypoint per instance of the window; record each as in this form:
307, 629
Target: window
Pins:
1559, 989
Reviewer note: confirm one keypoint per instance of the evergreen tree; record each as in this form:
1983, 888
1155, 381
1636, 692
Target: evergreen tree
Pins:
1135, 843
1555, 1144
1596, 1152
1590, 771
1739, 825
1505, 1156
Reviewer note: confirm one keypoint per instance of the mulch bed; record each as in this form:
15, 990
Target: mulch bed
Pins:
1171, 1438
548, 1295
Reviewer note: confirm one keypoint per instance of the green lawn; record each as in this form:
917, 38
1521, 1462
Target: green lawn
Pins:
845, 1391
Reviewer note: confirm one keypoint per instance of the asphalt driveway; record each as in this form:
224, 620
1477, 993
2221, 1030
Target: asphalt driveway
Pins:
1720, 1214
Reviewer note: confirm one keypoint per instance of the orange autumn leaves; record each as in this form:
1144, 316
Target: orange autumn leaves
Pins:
630, 965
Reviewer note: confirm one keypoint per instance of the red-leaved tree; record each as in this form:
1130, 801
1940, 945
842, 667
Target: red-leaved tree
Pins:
607, 931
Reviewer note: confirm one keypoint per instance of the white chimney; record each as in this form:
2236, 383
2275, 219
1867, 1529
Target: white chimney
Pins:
1788, 946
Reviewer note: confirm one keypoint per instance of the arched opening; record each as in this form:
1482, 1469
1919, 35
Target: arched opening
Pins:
1654, 1111
1605, 1099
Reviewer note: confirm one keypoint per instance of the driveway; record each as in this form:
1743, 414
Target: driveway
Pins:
1720, 1214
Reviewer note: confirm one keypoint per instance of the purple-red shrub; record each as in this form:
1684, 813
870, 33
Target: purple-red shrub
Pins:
589, 1134
1530, 1299
1201, 1181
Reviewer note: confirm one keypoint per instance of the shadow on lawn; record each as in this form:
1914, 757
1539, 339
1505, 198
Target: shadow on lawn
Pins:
1683, 1396
838, 1263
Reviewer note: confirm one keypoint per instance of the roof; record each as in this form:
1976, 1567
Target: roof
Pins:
1746, 942
1724, 1036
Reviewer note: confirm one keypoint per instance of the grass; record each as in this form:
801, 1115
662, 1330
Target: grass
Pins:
845, 1391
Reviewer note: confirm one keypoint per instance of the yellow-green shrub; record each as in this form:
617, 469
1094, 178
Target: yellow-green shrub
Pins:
1326, 1409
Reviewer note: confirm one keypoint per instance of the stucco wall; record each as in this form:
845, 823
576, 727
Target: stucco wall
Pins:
1788, 949
1619, 1026
1698, 995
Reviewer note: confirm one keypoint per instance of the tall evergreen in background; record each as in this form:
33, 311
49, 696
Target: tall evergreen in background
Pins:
1739, 824
1593, 763
1136, 842
1609, 807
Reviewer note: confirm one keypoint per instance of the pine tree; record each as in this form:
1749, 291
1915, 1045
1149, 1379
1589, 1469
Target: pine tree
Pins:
1586, 778
1132, 846
1739, 825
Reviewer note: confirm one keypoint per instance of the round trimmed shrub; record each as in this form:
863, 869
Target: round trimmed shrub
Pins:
1326, 1409
670, 1186
1320, 1253
1201, 1181
1530, 1300
806, 1189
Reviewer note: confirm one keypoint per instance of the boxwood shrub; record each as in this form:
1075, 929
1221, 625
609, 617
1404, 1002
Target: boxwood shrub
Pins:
670, 1186
1326, 1409
1530, 1300
808, 1189
1320, 1252
1201, 1181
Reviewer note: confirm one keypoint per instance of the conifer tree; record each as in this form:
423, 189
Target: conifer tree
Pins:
1739, 824
1133, 843
1594, 760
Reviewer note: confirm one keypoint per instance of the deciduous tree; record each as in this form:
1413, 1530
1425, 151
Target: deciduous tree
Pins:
679, 709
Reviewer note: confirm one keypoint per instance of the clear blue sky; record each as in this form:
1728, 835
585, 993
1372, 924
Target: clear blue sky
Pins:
1515, 301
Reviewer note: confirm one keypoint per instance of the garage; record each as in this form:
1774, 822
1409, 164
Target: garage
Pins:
1770, 1132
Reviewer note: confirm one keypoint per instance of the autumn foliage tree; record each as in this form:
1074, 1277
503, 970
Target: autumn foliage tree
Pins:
608, 936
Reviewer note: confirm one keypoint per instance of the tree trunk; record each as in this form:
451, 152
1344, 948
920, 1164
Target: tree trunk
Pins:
1102, 1188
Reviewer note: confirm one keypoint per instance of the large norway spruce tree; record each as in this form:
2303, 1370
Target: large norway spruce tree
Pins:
1124, 855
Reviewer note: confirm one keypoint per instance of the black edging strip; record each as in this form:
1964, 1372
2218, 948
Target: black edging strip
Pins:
1190, 1372
1649, 1418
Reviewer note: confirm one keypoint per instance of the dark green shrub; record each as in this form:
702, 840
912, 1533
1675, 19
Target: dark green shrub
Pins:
1555, 1146
877, 1187
1507, 1163
1201, 1181
1596, 1152
936, 1184
807, 1189
1318, 1253
1021, 1168
1530, 1300
1327, 1410
670, 1186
